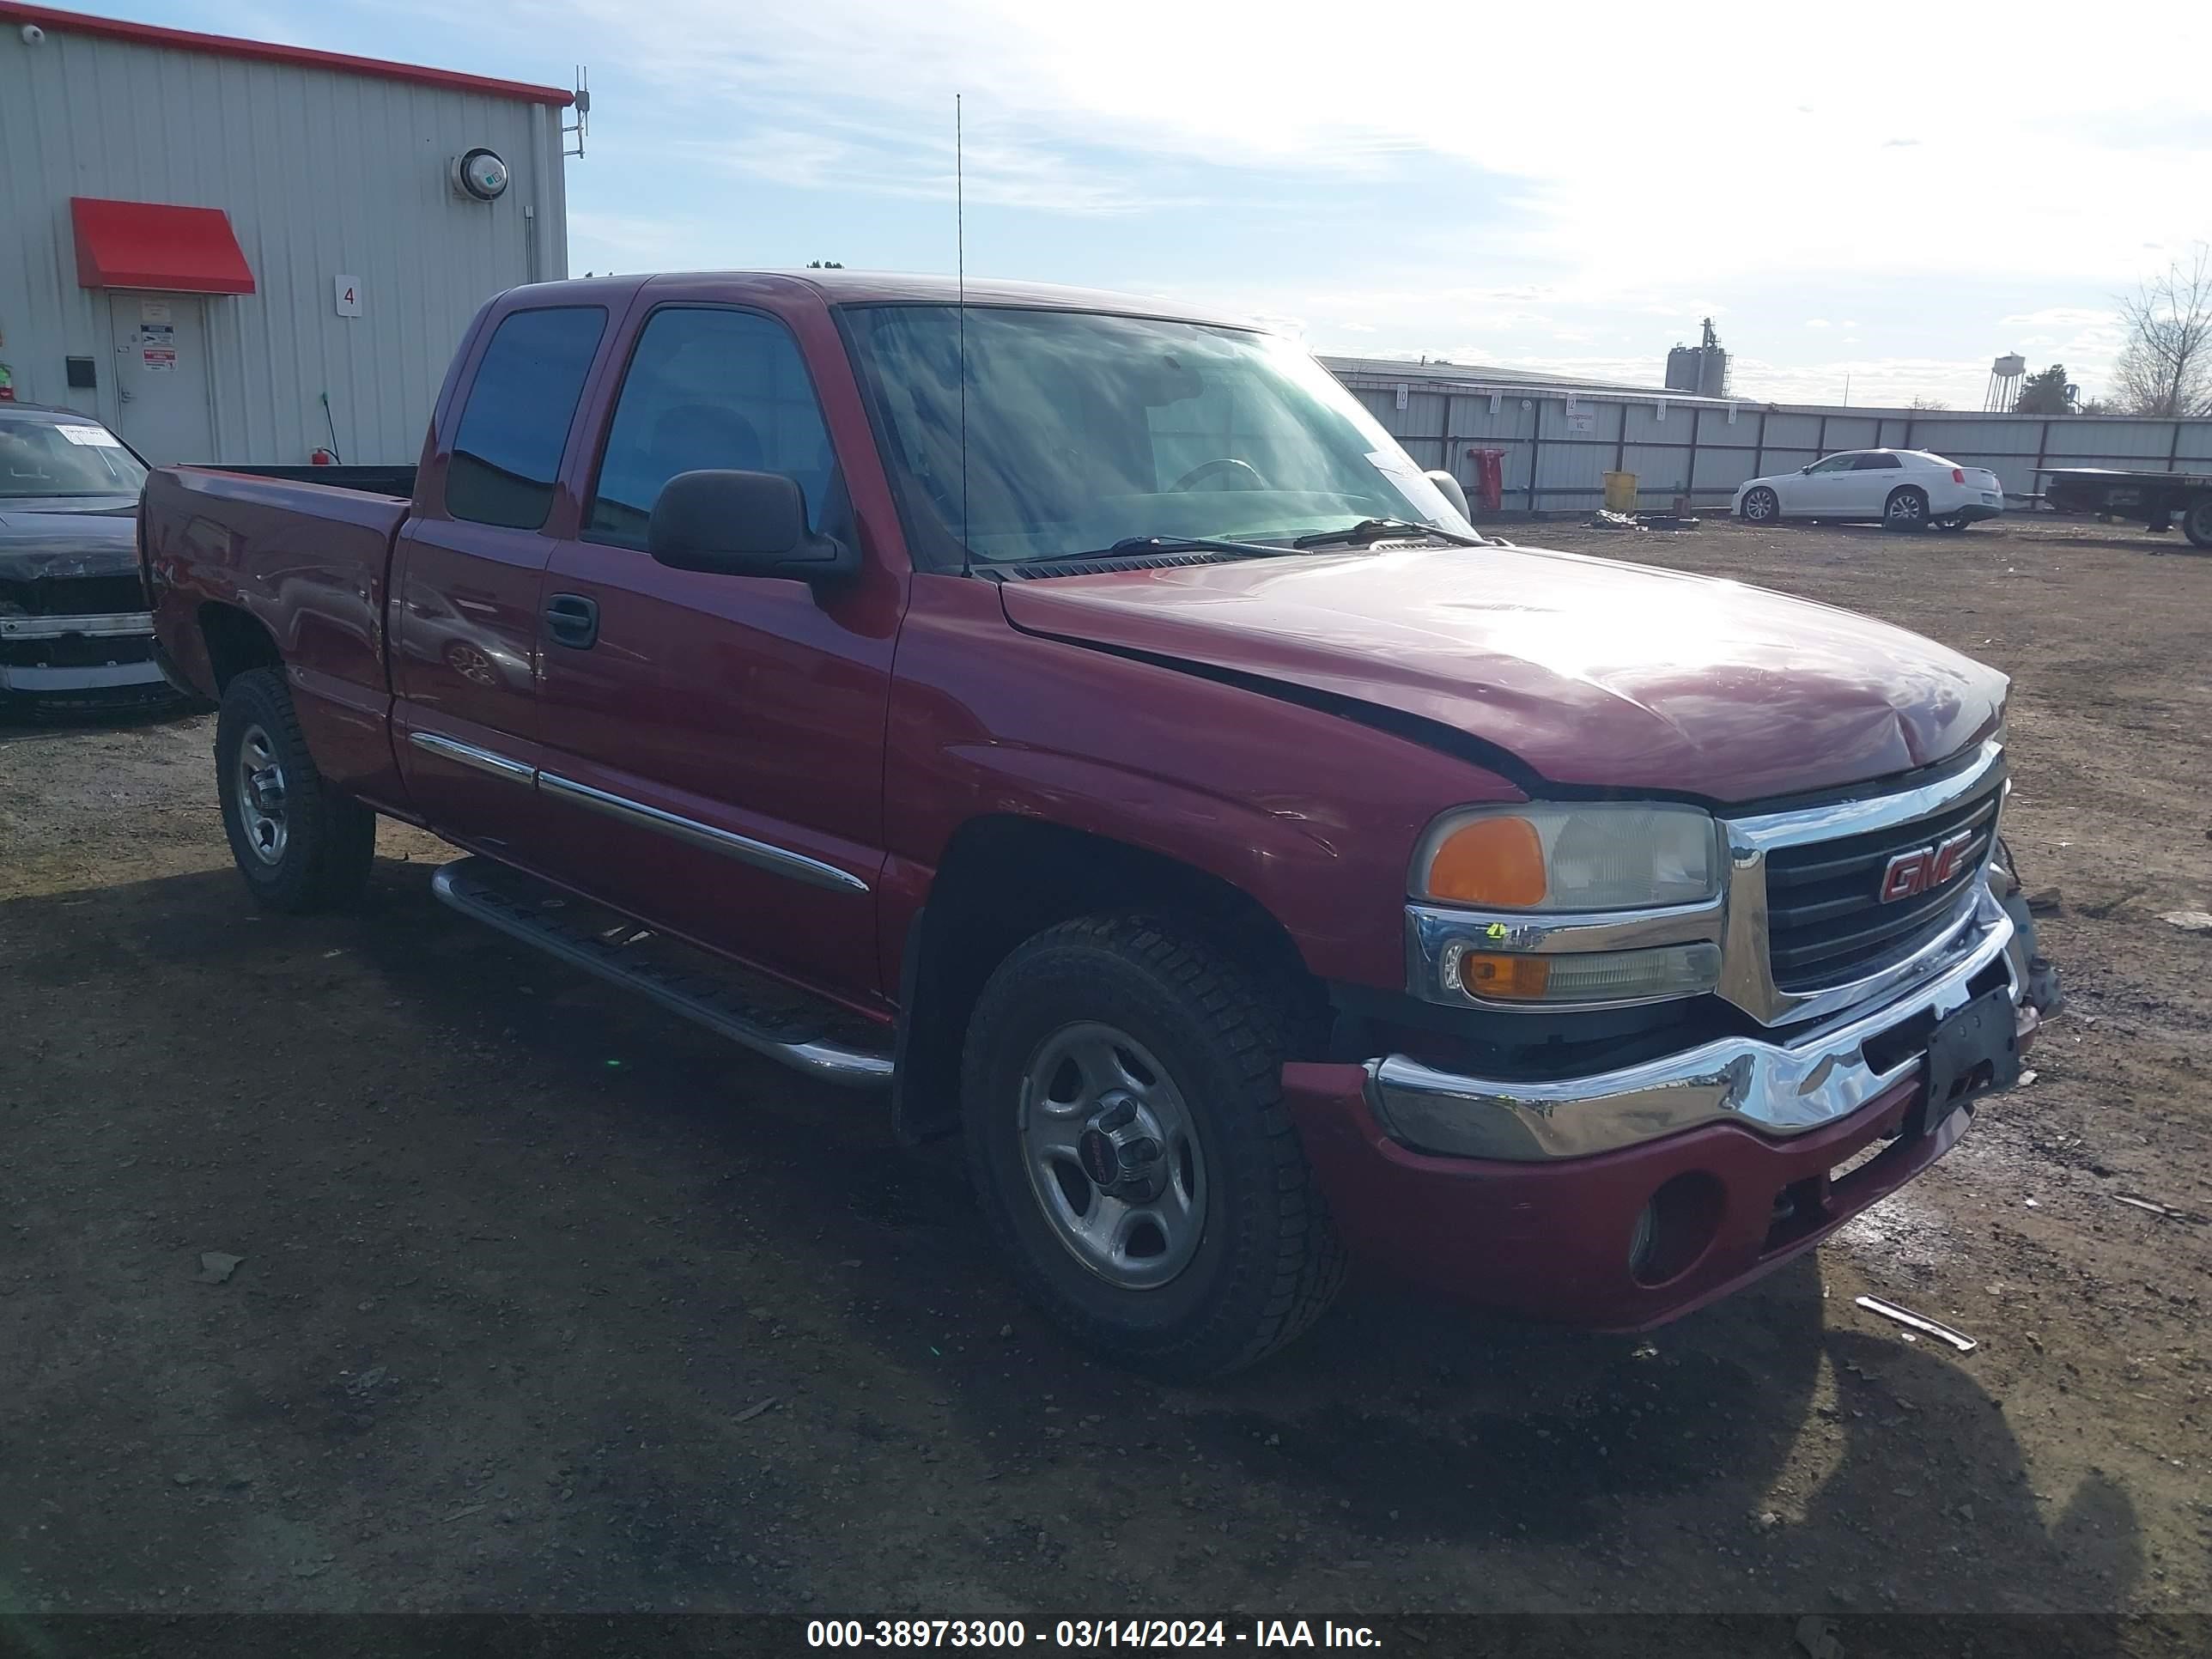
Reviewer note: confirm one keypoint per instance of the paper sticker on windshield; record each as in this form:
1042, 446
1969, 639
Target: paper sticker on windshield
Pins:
95, 437
1413, 484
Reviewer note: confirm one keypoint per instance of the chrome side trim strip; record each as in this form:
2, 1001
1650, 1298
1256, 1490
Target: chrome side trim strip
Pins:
467, 754
1778, 1088
744, 848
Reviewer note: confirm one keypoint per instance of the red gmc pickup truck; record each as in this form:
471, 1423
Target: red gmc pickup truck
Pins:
1080, 720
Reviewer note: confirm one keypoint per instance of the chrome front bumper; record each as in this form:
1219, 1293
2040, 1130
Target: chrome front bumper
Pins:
1780, 1088
132, 629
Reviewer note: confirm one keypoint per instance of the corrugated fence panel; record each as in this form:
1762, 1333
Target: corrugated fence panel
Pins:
2130, 440
1787, 431
1626, 430
1994, 436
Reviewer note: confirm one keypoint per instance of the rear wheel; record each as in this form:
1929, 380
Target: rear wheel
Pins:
1761, 505
1121, 1100
1907, 508
300, 844
2197, 521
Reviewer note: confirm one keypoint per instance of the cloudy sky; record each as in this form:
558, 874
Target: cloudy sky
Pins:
1893, 194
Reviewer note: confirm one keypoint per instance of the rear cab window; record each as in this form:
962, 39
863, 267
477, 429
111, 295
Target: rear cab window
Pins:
521, 403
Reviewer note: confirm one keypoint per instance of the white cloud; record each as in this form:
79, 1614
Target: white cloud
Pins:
1110, 114
1296, 84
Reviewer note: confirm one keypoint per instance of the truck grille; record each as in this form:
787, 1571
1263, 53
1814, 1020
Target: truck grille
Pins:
1826, 922
75, 596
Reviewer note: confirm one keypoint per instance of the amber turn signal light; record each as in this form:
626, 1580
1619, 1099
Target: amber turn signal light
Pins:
1506, 978
1490, 861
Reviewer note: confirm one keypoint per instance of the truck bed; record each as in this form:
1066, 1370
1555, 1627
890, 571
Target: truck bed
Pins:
310, 561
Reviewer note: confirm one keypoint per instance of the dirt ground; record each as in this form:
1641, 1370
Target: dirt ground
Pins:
549, 1301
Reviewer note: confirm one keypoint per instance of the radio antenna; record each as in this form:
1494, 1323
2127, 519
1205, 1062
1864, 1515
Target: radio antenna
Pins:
960, 269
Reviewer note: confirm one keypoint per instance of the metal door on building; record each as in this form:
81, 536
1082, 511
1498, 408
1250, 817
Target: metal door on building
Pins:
161, 389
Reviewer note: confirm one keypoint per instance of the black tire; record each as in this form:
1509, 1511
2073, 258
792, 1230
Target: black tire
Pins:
319, 856
1768, 509
1906, 509
1266, 1263
2197, 521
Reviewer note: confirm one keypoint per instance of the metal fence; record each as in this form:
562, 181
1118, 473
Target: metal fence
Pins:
1557, 445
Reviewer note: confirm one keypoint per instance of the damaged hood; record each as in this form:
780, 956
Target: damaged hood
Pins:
97, 537
1586, 671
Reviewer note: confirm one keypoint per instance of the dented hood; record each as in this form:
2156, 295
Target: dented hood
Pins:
1588, 672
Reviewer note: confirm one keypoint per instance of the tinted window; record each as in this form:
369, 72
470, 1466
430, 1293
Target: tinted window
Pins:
1875, 460
708, 389
1836, 463
507, 451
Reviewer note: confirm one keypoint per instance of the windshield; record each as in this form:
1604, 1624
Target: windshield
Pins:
1087, 430
65, 458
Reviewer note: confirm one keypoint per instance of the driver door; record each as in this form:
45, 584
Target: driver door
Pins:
1824, 489
712, 744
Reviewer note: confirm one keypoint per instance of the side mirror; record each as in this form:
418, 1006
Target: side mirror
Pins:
1452, 493
1807, 467
741, 524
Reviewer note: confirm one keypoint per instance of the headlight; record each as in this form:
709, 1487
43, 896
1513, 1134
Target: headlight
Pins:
1602, 856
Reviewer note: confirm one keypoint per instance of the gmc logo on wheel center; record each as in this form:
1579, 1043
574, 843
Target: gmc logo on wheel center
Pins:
1925, 868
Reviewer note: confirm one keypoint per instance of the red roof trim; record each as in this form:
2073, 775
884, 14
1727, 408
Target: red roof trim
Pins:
266, 51
157, 245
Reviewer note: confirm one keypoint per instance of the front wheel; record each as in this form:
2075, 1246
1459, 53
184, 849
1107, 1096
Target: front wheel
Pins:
1907, 509
300, 844
1121, 1100
1761, 505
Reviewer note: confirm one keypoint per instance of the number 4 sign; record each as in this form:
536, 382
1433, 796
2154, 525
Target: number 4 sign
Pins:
348, 290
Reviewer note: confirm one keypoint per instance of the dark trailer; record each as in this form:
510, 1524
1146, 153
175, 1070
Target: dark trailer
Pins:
2159, 499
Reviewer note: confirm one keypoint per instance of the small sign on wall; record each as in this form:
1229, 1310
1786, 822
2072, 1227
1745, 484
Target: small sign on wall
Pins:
1582, 414
157, 347
155, 311
347, 292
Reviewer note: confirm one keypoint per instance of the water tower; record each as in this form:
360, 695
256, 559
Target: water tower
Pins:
2004, 384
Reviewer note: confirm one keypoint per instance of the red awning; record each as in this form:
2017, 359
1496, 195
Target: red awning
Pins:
184, 250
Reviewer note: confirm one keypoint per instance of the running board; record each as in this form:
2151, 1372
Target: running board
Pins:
761, 1014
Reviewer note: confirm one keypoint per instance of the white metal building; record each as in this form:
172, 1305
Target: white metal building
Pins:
205, 239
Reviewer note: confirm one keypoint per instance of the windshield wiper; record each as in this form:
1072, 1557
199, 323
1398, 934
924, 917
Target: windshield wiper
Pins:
1374, 529
1136, 546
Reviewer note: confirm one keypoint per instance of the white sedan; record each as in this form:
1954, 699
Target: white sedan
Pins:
1903, 489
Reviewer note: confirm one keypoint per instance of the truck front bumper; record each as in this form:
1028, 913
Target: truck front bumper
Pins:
61, 656
1627, 1199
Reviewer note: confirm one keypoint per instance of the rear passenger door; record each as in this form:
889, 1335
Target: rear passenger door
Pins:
1869, 483
713, 744
463, 618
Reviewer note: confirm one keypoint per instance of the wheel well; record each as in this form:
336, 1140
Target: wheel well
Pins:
1004, 880
236, 643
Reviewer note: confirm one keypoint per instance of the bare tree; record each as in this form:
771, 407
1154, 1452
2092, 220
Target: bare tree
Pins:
1928, 403
2165, 368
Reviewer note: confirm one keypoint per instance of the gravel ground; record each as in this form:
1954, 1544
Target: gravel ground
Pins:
547, 1301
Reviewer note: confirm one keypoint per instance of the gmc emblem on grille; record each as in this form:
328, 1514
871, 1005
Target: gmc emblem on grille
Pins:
1925, 868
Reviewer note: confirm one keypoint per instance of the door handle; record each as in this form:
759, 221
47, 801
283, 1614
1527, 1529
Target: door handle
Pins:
573, 620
